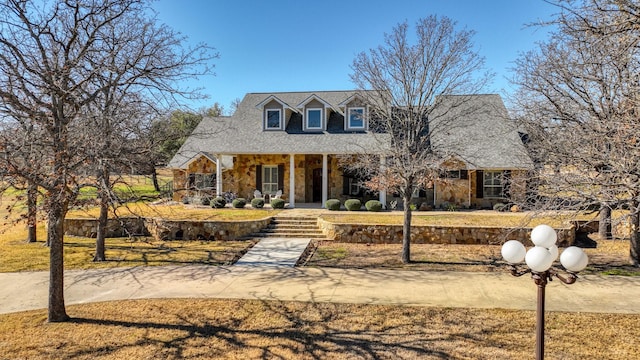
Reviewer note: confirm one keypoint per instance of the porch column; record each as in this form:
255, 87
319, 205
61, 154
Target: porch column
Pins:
292, 182
218, 175
325, 180
383, 191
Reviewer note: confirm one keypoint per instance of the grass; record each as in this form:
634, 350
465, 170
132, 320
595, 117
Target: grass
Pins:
241, 329
17, 255
610, 257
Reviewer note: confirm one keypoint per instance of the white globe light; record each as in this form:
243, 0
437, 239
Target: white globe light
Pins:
554, 252
574, 259
544, 235
539, 259
513, 251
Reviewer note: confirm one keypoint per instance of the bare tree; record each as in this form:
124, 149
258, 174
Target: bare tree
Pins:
578, 100
53, 60
404, 83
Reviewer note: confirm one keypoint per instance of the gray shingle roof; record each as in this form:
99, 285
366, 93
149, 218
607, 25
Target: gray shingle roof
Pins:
477, 129
483, 138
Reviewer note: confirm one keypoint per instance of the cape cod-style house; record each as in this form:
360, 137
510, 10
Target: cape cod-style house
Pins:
289, 143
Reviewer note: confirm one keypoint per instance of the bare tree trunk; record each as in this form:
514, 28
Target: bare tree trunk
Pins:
32, 212
55, 237
104, 181
406, 229
154, 178
604, 222
634, 246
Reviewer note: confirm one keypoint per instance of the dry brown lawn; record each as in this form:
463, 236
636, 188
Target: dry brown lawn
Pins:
17, 255
609, 257
239, 329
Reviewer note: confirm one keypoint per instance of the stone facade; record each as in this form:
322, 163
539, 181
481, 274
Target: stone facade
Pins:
379, 234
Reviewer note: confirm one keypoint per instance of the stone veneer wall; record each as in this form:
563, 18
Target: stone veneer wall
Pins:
162, 229
115, 227
426, 234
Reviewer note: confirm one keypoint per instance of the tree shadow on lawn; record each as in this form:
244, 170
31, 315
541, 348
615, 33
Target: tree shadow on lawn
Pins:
274, 329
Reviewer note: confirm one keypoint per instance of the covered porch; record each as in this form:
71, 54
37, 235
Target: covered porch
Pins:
302, 178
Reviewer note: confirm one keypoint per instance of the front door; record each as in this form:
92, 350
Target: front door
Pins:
317, 185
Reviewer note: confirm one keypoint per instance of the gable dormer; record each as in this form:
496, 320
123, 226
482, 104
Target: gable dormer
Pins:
274, 113
315, 113
356, 113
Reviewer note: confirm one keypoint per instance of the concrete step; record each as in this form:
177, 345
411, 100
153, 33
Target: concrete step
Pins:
291, 226
303, 235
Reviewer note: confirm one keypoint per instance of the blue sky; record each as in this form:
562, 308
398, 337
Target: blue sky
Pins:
287, 45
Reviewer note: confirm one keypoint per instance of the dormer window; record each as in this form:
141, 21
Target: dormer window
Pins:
273, 119
355, 118
314, 118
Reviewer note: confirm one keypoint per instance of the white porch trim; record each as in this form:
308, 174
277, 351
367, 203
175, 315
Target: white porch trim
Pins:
218, 175
325, 180
292, 182
383, 191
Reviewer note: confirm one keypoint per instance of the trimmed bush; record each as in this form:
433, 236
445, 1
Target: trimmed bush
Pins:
373, 205
218, 202
353, 204
332, 204
257, 203
500, 207
277, 203
239, 203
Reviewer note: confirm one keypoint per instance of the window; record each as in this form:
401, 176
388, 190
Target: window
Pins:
492, 184
269, 179
356, 118
314, 118
354, 187
202, 181
273, 119
452, 174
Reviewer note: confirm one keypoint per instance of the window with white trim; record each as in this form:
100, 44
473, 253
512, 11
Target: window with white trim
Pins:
201, 181
354, 187
452, 174
355, 118
492, 184
273, 119
269, 179
314, 118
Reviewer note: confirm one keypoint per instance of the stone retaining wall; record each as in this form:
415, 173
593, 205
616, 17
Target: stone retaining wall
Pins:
115, 227
162, 229
203, 230
379, 234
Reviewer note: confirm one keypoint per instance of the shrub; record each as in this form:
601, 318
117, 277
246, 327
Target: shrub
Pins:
257, 203
206, 201
239, 203
353, 204
218, 202
277, 203
185, 199
373, 205
332, 204
500, 207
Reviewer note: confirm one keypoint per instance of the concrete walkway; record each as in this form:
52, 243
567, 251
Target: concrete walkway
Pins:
275, 252
611, 294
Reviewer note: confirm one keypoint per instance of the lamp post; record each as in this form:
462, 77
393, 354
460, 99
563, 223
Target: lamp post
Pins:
540, 259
